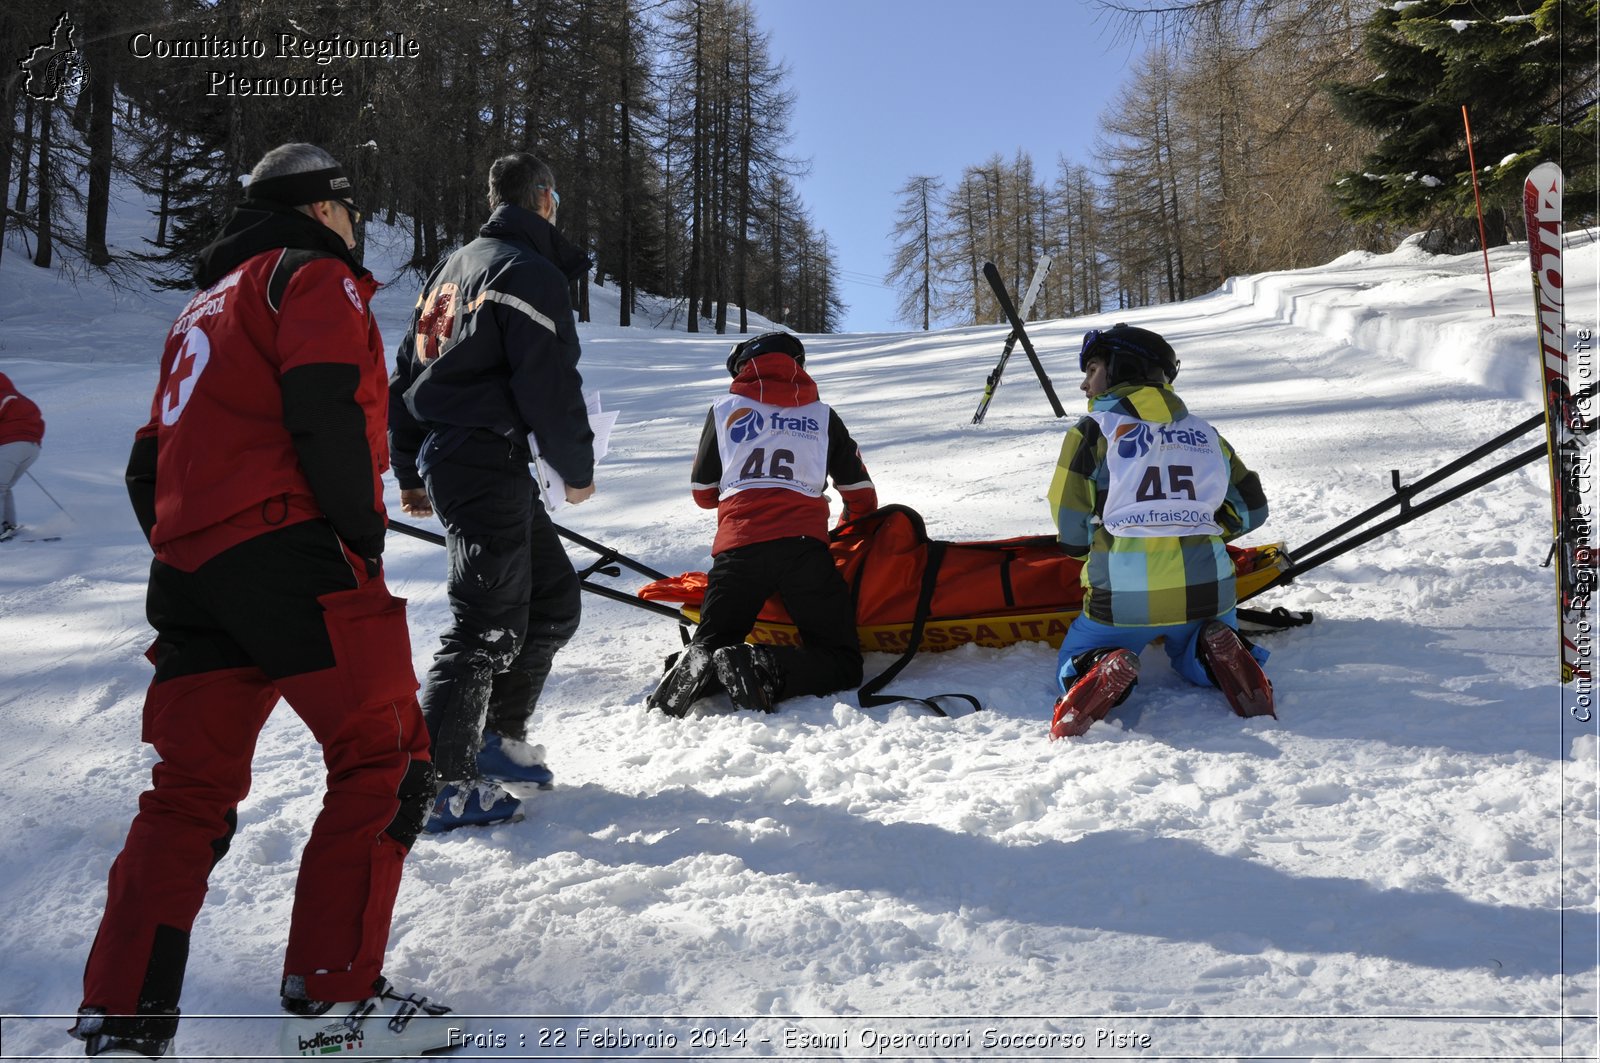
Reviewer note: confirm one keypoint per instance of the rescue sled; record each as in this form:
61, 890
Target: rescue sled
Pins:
912, 591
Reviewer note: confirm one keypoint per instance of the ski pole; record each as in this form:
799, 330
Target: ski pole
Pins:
50, 496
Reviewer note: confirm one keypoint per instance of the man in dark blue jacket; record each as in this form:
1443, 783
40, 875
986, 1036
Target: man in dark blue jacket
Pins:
492, 356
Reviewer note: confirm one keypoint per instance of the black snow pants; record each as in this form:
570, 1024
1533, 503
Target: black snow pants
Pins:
514, 600
802, 572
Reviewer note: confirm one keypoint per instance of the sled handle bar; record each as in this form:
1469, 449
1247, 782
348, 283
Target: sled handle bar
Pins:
607, 556
1407, 514
1403, 493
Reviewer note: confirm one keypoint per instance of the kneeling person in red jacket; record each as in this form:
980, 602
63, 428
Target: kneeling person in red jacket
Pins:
768, 449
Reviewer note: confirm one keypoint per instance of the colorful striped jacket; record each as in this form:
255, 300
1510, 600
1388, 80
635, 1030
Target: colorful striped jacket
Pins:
1148, 579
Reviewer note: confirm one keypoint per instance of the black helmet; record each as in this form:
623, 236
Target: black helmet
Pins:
1130, 353
766, 343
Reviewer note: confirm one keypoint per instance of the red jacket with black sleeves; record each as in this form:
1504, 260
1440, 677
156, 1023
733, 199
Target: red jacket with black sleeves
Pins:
766, 453
19, 417
271, 408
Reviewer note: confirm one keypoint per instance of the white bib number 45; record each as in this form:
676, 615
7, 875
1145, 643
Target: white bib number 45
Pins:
1164, 479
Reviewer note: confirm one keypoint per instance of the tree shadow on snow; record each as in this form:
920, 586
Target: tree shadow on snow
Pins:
1409, 685
1120, 881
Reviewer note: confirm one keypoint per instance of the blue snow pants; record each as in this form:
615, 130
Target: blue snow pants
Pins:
1182, 642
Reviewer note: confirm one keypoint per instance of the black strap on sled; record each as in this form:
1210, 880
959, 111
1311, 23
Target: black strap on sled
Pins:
1264, 620
869, 694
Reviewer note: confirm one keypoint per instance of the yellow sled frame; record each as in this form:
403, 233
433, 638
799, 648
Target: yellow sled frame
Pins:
946, 633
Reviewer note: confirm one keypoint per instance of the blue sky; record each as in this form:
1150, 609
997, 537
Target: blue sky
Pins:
890, 88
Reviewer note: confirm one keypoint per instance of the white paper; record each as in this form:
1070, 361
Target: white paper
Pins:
551, 486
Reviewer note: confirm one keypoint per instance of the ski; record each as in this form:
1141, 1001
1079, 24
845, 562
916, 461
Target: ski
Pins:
993, 382
1569, 440
1017, 328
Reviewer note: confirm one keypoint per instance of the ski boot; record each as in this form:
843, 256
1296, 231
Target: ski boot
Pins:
510, 760
386, 1025
749, 674
1237, 674
686, 681
474, 803
1094, 693
149, 1036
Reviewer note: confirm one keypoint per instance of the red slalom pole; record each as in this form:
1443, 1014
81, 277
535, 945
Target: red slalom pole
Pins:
1483, 239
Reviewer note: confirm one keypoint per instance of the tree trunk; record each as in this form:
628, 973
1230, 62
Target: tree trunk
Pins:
7, 150
164, 209
927, 257
697, 177
25, 156
625, 120
101, 102
44, 254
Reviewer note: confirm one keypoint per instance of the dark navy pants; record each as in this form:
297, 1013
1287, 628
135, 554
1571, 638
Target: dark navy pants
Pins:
514, 599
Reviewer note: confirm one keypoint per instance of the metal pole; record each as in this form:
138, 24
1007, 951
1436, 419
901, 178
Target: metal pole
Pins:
1300, 567
1483, 239
1402, 495
50, 496
593, 588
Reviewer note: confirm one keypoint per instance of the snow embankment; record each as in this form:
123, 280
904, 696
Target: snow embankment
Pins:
1432, 310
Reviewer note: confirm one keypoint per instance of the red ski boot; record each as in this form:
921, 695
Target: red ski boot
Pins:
1236, 672
1095, 693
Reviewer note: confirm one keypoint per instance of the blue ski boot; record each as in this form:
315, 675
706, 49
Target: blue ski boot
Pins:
510, 760
477, 803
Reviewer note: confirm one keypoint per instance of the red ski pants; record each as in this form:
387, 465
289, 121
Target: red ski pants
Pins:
254, 624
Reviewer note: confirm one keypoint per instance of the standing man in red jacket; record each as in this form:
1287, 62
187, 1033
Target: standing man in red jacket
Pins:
21, 433
256, 481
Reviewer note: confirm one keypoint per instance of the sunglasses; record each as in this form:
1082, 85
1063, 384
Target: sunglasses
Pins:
355, 215
555, 197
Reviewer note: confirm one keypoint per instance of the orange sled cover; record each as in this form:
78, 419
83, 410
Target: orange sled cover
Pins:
990, 593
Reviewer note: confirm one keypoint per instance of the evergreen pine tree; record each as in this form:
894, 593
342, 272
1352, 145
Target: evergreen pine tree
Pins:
1525, 71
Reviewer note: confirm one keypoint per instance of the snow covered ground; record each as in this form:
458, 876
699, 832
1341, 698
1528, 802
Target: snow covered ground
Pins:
1402, 865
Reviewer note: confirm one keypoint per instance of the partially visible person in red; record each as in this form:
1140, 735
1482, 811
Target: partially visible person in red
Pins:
257, 482
21, 434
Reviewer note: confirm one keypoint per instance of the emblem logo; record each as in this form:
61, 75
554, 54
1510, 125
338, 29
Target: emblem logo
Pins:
745, 424
436, 324
1133, 440
54, 66
187, 364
